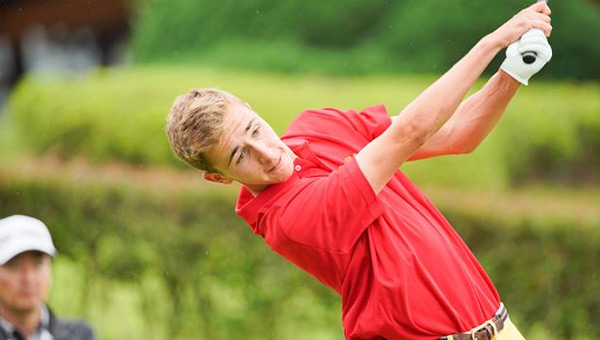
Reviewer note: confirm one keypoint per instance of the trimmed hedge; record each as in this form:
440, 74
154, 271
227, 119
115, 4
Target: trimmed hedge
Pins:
219, 281
216, 281
352, 36
551, 132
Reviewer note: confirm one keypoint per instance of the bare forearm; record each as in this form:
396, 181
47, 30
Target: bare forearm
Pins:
436, 104
423, 117
473, 120
479, 114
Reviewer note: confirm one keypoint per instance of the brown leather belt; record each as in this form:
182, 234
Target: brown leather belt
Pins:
486, 331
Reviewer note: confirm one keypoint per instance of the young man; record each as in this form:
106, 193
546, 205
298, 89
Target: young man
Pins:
329, 197
26, 249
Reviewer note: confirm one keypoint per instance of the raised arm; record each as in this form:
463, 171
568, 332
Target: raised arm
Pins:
473, 120
422, 118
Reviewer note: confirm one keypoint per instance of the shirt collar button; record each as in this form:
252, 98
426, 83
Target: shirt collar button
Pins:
298, 167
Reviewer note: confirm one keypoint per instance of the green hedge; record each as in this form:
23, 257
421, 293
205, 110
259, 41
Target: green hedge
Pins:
550, 132
215, 280
352, 36
199, 272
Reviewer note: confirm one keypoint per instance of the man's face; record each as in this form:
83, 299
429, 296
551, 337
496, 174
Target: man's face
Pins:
249, 152
25, 281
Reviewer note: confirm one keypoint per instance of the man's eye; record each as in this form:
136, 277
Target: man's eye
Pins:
255, 132
242, 155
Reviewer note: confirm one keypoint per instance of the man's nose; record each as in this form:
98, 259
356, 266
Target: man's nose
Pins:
27, 271
264, 153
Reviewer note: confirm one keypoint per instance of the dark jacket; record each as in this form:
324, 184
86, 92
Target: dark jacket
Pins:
62, 329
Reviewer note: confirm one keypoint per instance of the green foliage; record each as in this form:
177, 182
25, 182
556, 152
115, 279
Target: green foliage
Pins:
216, 280
70, 117
534, 265
550, 131
352, 37
158, 262
186, 267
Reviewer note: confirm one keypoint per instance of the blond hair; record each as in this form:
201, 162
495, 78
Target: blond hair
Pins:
194, 124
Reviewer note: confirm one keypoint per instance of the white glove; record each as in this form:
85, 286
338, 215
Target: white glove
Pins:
533, 41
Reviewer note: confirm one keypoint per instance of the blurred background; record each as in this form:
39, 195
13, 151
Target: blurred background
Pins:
150, 251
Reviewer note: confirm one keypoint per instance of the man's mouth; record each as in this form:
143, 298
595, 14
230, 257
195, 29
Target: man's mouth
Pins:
275, 166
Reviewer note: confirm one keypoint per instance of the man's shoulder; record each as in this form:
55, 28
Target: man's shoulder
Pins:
324, 118
332, 114
343, 123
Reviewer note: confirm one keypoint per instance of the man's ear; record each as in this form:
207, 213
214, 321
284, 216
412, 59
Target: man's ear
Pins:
217, 178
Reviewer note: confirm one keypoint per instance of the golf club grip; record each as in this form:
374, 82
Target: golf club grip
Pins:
529, 57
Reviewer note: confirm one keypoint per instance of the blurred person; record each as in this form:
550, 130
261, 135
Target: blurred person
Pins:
26, 251
329, 197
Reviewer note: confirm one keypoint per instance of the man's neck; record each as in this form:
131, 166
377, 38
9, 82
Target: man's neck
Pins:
26, 322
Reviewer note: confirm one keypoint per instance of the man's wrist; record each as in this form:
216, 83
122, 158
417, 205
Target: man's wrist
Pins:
505, 78
491, 43
508, 68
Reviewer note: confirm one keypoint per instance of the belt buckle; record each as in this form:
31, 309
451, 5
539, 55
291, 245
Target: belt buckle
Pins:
489, 333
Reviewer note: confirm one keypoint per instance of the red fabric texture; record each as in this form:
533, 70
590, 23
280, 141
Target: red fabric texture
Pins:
400, 268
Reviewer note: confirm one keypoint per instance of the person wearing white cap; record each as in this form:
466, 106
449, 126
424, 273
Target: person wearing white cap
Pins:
26, 251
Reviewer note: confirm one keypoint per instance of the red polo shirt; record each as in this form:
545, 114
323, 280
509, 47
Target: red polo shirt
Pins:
401, 269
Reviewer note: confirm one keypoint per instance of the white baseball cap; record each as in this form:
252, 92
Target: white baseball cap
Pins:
19, 233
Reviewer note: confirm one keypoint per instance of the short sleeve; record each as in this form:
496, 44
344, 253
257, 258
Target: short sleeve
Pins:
371, 122
329, 213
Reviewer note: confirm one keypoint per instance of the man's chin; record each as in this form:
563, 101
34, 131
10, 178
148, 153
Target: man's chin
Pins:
25, 307
284, 177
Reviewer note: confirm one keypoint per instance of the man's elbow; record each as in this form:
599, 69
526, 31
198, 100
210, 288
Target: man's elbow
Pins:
410, 135
464, 149
415, 137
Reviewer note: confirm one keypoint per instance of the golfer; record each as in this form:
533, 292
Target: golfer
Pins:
328, 195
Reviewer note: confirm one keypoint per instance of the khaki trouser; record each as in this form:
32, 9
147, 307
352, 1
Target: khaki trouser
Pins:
509, 332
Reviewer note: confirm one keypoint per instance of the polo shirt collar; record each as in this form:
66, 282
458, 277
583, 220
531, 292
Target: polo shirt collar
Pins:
250, 207
44, 321
5, 326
